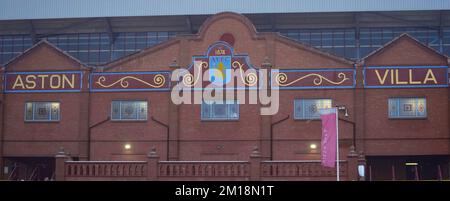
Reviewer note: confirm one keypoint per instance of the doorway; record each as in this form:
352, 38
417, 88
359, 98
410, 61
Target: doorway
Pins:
433, 167
29, 168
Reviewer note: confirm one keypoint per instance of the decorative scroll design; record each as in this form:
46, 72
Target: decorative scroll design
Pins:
188, 79
281, 79
158, 80
250, 79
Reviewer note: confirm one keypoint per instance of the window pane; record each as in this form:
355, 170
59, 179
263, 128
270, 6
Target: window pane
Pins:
407, 107
115, 113
393, 107
311, 109
233, 111
298, 109
29, 111
206, 111
128, 110
55, 111
142, 110
421, 107
41, 111
219, 110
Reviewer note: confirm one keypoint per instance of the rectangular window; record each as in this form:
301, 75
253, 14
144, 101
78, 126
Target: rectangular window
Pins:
220, 111
129, 110
42, 111
407, 108
309, 108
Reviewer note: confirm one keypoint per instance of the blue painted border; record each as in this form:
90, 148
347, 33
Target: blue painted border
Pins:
44, 90
404, 86
130, 73
245, 56
318, 70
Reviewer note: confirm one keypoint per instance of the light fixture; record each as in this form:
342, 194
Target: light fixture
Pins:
411, 164
313, 146
127, 146
343, 108
361, 170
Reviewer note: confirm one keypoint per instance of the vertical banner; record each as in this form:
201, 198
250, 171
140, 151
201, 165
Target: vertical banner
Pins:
329, 136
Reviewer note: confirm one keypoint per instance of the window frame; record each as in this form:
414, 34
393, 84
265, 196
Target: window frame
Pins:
303, 116
120, 111
228, 109
49, 115
398, 109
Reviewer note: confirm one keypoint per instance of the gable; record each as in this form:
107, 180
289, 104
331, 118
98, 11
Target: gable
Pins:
405, 51
44, 57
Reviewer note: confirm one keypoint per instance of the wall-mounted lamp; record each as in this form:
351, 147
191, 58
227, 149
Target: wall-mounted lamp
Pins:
313, 146
127, 146
361, 172
343, 108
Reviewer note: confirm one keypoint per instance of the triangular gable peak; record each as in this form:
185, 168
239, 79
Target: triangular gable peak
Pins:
404, 50
44, 56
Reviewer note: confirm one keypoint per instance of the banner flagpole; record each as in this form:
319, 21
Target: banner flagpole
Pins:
337, 144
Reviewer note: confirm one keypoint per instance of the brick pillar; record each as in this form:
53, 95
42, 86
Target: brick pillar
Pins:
352, 165
84, 119
152, 165
2, 122
362, 162
266, 143
60, 160
359, 107
255, 165
173, 122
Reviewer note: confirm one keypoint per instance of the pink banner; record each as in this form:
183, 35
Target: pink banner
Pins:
329, 133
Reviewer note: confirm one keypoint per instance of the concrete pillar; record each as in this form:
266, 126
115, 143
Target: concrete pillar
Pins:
152, 165
60, 160
255, 165
352, 165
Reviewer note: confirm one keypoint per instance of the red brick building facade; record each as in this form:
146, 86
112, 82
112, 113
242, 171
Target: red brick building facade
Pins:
86, 131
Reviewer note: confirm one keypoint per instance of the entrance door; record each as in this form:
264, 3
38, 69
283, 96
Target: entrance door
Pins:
433, 167
30, 168
412, 171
